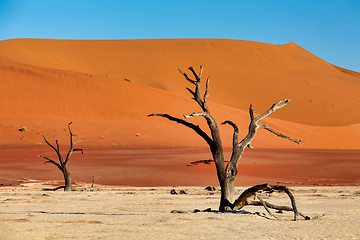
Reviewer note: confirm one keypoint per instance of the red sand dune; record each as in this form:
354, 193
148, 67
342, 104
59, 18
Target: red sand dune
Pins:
47, 83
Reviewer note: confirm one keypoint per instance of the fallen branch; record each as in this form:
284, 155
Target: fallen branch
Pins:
264, 205
53, 189
243, 199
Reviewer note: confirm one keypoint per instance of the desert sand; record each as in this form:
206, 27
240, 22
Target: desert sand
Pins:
107, 89
147, 213
172, 166
47, 83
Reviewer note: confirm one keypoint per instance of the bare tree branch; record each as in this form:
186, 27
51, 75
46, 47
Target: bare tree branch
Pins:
53, 189
243, 199
236, 132
49, 143
49, 160
281, 135
198, 79
71, 150
78, 141
264, 204
56, 150
287, 191
253, 126
78, 149
71, 135
276, 207
196, 114
57, 145
201, 70
273, 108
192, 93
194, 127
251, 112
186, 77
206, 90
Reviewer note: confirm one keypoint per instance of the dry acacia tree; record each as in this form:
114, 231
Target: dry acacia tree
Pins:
62, 164
226, 174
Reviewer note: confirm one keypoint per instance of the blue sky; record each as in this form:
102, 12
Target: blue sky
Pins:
328, 28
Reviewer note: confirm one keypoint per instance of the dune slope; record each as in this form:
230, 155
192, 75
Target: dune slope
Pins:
47, 83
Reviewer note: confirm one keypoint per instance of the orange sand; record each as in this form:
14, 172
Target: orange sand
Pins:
47, 83
172, 166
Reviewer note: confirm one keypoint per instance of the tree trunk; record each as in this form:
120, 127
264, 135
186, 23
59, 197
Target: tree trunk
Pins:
227, 194
67, 180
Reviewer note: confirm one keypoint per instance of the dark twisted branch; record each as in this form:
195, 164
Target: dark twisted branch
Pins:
206, 95
215, 135
243, 199
197, 82
71, 150
272, 109
197, 114
287, 191
194, 73
236, 132
194, 127
57, 150
253, 126
51, 161
264, 204
192, 93
53, 189
186, 77
279, 208
251, 112
298, 141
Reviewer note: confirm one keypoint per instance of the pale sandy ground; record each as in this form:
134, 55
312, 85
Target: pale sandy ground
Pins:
145, 213
48, 83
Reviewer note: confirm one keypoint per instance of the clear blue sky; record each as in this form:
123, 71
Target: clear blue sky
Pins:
328, 28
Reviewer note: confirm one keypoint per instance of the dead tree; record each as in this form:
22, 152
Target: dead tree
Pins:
226, 174
93, 182
62, 164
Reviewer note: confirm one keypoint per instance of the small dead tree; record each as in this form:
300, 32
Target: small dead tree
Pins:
93, 182
226, 174
62, 164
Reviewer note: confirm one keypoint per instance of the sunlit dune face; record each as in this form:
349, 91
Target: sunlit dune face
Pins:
107, 88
